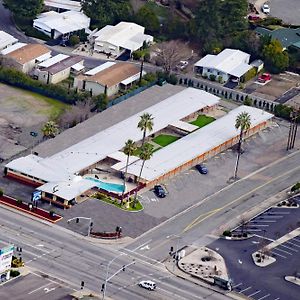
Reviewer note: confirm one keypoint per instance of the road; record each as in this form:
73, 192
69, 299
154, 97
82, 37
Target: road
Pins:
72, 258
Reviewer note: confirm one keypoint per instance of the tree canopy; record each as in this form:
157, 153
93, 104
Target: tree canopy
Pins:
104, 12
24, 8
147, 18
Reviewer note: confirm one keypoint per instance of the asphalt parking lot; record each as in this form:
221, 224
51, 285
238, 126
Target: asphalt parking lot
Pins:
264, 283
35, 287
287, 10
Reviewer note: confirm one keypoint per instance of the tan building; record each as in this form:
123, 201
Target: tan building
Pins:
60, 70
26, 58
109, 79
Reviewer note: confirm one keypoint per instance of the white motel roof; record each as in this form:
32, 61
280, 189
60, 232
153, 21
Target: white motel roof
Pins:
68, 162
195, 144
6, 39
229, 61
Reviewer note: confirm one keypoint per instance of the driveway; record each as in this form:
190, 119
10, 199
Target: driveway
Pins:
287, 10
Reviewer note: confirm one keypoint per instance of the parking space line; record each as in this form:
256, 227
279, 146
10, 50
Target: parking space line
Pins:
280, 255
264, 297
278, 249
285, 246
246, 289
253, 293
263, 221
259, 225
237, 285
43, 286
288, 242
277, 298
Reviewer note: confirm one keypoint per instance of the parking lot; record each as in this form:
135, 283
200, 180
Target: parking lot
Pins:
287, 10
264, 282
34, 286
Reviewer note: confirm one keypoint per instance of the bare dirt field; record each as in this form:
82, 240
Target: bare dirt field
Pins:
277, 86
22, 112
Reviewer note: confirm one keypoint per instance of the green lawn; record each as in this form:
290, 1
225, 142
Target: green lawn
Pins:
165, 139
202, 120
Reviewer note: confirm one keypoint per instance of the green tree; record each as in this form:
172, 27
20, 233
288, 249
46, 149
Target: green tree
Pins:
147, 18
74, 40
50, 129
276, 59
145, 124
242, 122
129, 150
104, 12
27, 9
145, 154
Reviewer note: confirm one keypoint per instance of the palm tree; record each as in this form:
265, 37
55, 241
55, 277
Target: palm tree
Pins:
145, 123
145, 154
50, 129
242, 122
129, 150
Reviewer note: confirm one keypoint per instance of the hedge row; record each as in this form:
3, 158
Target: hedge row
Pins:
21, 80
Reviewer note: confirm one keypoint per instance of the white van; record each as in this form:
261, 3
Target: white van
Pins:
148, 284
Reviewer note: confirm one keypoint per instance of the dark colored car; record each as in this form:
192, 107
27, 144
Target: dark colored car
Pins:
202, 169
254, 18
159, 191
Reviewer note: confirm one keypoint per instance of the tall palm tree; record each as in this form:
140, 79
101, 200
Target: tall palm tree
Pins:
242, 122
50, 129
129, 150
145, 123
145, 154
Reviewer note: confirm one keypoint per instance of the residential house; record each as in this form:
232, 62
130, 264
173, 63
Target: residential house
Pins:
123, 37
58, 68
6, 40
108, 78
24, 59
229, 64
63, 5
64, 24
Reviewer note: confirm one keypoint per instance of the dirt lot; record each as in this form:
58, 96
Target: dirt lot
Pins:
22, 112
277, 86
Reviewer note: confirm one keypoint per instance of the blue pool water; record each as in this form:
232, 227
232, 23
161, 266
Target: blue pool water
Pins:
110, 187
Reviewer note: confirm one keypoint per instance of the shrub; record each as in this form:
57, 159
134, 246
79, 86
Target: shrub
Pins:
136, 55
212, 77
293, 189
227, 233
245, 234
283, 203
282, 111
249, 75
204, 75
1, 192
19, 202
74, 40
14, 273
147, 57
51, 213
248, 101
220, 79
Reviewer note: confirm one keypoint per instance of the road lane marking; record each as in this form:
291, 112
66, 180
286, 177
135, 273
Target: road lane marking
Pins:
235, 286
136, 248
253, 293
264, 297
202, 217
41, 287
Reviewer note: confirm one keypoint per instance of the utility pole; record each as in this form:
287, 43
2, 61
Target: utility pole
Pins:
293, 129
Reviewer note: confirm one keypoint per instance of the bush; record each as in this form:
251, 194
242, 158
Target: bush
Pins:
282, 111
293, 189
249, 75
1, 193
248, 101
204, 76
19, 202
220, 79
227, 233
14, 273
245, 234
136, 55
212, 77
74, 40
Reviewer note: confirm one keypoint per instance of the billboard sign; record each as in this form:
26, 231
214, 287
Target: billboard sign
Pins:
5, 258
36, 196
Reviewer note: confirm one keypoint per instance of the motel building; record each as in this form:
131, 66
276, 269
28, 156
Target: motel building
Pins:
98, 162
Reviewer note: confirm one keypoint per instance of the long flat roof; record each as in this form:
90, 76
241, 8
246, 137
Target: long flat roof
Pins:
53, 60
6, 39
95, 148
64, 4
12, 48
195, 144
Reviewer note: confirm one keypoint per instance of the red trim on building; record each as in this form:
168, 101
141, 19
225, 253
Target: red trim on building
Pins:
23, 180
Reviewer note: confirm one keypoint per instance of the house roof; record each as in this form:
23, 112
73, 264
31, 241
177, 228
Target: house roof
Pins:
65, 22
64, 4
6, 39
12, 48
193, 145
286, 36
64, 64
114, 74
229, 61
28, 53
53, 60
66, 163
125, 34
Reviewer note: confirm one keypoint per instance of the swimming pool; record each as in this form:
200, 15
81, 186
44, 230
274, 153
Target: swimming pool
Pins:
110, 187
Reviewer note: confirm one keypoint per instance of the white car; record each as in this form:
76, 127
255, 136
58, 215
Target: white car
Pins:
265, 9
148, 284
182, 64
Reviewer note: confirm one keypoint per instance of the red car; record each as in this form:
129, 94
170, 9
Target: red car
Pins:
264, 77
254, 18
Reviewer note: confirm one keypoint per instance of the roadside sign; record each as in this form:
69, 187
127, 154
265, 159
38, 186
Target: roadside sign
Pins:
36, 196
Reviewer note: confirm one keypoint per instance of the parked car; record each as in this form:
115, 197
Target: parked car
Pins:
254, 18
202, 169
264, 77
148, 284
265, 9
160, 191
182, 64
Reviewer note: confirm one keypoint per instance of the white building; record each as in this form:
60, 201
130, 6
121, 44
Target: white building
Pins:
6, 40
122, 37
56, 24
63, 5
6, 253
228, 64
